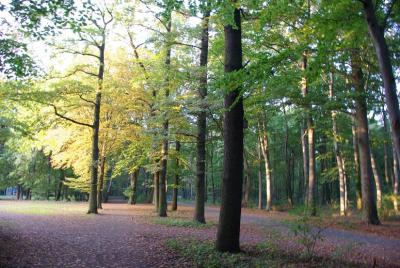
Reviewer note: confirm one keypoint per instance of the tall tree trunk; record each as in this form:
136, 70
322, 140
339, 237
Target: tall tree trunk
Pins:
162, 210
263, 141
378, 182
212, 172
396, 174
311, 147
176, 177
60, 184
229, 220
101, 180
19, 192
108, 192
385, 145
356, 162
48, 176
377, 33
95, 137
202, 122
289, 188
338, 155
370, 213
156, 192
133, 181
259, 177
247, 182
304, 148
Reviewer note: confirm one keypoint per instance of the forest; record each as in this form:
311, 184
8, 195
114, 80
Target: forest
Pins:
198, 107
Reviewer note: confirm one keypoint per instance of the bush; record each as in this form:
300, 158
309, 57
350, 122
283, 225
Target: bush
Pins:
388, 208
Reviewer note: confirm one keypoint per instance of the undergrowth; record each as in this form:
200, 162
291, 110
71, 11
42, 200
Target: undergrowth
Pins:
177, 222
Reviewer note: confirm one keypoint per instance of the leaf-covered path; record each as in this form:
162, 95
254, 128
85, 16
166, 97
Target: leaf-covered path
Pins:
41, 234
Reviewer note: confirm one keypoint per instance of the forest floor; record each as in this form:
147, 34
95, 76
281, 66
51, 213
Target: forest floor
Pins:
58, 234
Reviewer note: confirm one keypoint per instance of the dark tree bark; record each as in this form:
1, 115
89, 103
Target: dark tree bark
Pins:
202, 123
289, 188
19, 192
304, 148
156, 192
232, 182
176, 177
377, 32
60, 185
370, 213
133, 184
162, 210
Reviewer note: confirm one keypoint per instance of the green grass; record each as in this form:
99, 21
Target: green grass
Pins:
178, 222
42, 208
203, 254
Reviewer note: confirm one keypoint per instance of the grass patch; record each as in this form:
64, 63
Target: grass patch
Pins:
202, 254
177, 222
42, 208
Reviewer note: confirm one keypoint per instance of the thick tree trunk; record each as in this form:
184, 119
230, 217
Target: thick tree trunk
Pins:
229, 220
176, 177
19, 192
202, 123
133, 181
370, 213
378, 182
377, 33
356, 162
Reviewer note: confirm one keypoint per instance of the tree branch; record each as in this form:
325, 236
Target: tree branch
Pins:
70, 119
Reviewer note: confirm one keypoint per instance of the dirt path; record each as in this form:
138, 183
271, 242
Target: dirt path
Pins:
123, 237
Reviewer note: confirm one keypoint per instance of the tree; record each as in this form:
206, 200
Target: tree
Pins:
377, 32
370, 212
202, 117
232, 180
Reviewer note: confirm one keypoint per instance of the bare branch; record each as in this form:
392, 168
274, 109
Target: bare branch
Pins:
69, 119
184, 44
84, 99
